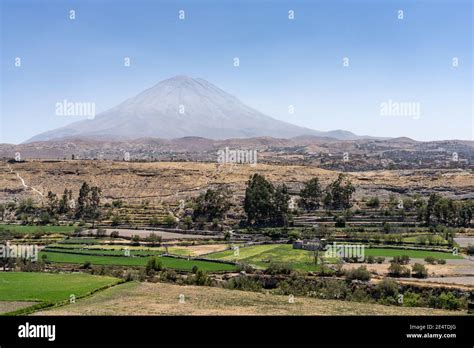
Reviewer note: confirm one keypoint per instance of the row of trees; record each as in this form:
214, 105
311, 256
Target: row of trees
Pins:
337, 194
87, 205
445, 211
268, 205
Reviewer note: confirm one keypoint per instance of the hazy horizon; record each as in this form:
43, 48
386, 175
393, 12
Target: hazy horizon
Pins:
283, 62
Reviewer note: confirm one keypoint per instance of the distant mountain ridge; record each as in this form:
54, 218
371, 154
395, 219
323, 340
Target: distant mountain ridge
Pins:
182, 106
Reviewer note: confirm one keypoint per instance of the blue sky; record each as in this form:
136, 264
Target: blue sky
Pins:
282, 62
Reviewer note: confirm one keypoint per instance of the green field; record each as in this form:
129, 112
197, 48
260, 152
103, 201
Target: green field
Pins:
414, 254
167, 262
49, 287
106, 252
34, 229
263, 255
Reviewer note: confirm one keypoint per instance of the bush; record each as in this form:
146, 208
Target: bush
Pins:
294, 235
387, 288
470, 249
244, 267
444, 300
360, 273
169, 275
278, 268
430, 259
370, 259
153, 265
340, 221
244, 283
397, 270
373, 202
114, 234
87, 265
441, 261
419, 271
334, 289
401, 260
380, 259
169, 220
411, 299
201, 278
136, 240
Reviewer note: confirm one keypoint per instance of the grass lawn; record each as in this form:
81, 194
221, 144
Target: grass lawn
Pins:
34, 229
49, 287
167, 262
414, 254
262, 255
112, 252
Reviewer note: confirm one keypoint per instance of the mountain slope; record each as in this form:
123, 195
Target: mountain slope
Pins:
182, 106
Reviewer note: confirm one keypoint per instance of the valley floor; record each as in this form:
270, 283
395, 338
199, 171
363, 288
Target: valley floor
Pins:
135, 298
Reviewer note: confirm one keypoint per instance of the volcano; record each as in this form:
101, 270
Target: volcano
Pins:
180, 107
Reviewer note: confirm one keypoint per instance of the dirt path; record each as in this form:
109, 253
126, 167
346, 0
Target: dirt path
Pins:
24, 183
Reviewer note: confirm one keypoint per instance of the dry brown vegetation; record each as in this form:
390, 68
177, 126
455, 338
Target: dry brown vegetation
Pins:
171, 181
163, 299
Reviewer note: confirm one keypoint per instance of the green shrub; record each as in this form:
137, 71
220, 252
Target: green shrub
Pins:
411, 299
340, 221
153, 265
360, 273
445, 301
401, 260
397, 270
278, 268
430, 259
380, 259
387, 288
419, 271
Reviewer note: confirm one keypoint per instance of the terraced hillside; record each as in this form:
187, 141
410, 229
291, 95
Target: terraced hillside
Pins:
169, 182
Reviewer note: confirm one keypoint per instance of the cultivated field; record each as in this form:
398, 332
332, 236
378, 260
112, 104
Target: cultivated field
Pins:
47, 287
263, 255
168, 262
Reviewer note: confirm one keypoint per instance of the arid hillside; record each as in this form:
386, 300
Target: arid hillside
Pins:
170, 181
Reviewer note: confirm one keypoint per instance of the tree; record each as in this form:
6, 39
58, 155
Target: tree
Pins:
93, 210
52, 203
258, 202
340, 221
82, 200
212, 204
339, 193
311, 194
63, 206
280, 202
153, 239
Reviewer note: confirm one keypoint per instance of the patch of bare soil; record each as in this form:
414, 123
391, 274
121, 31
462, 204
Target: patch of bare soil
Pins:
10, 306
